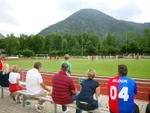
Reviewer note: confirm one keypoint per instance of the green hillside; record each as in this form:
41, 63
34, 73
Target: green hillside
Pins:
92, 21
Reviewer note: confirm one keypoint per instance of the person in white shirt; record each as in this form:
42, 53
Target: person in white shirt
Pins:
34, 82
14, 78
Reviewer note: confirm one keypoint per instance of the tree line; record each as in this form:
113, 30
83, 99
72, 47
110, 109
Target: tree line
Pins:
77, 44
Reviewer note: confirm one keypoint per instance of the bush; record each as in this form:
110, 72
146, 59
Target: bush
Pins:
27, 53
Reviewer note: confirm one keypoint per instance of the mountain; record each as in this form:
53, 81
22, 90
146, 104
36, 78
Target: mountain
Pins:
139, 25
1, 36
92, 21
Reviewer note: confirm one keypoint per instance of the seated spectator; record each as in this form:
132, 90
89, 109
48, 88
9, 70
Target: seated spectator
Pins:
14, 78
34, 82
148, 105
121, 91
63, 88
136, 108
1, 63
4, 76
89, 87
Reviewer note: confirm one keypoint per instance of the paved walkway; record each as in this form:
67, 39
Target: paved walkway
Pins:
7, 105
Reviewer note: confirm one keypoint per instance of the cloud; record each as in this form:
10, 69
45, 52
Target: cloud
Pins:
5, 13
71, 5
126, 12
31, 16
116, 8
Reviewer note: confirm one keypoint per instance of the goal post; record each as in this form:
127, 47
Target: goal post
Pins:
41, 55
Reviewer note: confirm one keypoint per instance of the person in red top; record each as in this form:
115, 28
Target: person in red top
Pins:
121, 92
63, 88
14, 78
1, 64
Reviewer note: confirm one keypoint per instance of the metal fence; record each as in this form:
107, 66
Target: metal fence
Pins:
77, 76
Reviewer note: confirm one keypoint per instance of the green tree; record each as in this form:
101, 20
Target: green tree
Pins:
133, 46
29, 42
95, 41
38, 43
49, 43
22, 41
110, 39
90, 49
64, 45
12, 45
2, 43
143, 46
27, 53
57, 42
147, 35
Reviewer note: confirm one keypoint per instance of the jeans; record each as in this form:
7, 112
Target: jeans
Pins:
64, 108
110, 111
136, 109
87, 107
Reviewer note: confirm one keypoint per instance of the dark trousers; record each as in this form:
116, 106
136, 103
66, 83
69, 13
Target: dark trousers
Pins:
148, 108
136, 109
87, 107
64, 108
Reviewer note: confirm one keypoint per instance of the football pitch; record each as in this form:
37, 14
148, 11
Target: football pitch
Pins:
106, 67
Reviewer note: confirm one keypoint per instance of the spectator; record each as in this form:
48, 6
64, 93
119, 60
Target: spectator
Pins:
136, 108
4, 76
90, 87
66, 57
148, 105
1, 63
121, 91
63, 88
34, 82
14, 78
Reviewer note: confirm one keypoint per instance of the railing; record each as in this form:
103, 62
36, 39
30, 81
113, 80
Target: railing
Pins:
143, 87
98, 79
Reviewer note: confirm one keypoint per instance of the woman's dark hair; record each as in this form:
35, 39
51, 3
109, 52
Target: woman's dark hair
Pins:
122, 69
37, 65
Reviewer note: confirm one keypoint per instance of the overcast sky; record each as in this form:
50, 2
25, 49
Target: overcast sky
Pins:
31, 16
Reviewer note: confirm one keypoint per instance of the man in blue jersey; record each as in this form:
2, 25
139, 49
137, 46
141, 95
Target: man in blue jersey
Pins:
121, 91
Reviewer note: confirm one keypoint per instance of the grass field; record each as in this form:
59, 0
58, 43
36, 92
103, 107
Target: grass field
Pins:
107, 67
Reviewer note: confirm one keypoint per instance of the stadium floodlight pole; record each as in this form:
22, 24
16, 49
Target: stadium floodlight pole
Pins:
82, 49
126, 44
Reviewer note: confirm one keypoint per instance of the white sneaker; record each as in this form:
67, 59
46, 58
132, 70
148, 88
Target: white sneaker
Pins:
66, 110
37, 108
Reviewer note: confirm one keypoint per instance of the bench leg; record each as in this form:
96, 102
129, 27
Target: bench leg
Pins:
55, 108
2, 93
23, 103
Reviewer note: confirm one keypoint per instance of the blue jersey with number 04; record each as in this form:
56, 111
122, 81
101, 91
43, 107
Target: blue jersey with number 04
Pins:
121, 94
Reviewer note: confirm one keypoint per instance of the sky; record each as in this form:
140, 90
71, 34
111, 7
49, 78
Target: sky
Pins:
31, 16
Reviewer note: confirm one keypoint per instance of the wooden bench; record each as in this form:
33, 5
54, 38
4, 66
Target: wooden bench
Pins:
26, 94
49, 99
2, 91
98, 110
7, 88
